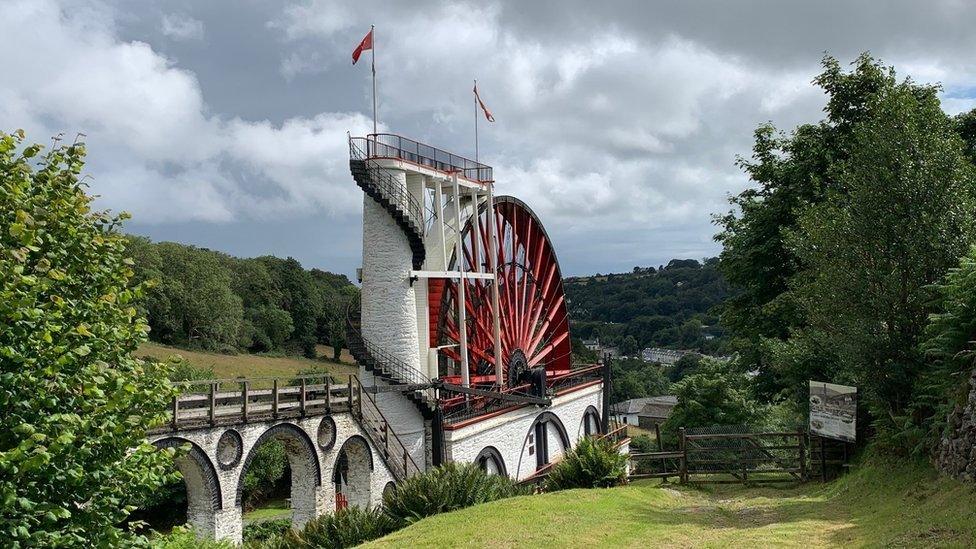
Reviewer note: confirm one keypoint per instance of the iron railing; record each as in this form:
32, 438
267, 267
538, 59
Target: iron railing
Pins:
389, 187
386, 145
387, 443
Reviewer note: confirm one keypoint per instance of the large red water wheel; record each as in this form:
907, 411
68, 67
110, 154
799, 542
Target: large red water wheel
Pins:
534, 324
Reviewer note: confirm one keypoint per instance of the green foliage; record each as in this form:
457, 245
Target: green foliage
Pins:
446, 488
666, 307
184, 538
948, 346
266, 530
76, 404
346, 528
684, 366
266, 473
634, 378
211, 300
715, 394
593, 463
833, 255
184, 370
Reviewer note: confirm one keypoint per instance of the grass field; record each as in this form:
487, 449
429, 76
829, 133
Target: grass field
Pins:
880, 505
231, 366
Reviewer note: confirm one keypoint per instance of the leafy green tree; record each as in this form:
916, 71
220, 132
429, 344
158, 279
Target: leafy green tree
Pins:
628, 346
684, 366
301, 298
272, 327
76, 404
871, 252
716, 394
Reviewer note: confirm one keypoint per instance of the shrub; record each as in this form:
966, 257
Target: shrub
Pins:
446, 488
183, 538
75, 402
346, 528
266, 474
594, 463
265, 530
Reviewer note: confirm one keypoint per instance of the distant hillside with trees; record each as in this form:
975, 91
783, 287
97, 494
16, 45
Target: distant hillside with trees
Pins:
673, 305
205, 299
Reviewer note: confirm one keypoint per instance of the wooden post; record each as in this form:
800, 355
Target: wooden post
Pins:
684, 456
328, 394
303, 397
244, 398
176, 412
657, 435
823, 462
274, 399
351, 408
801, 442
213, 403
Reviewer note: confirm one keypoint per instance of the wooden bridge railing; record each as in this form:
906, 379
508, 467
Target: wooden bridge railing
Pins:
232, 401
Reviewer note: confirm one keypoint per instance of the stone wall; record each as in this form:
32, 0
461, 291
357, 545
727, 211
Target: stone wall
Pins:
215, 466
957, 450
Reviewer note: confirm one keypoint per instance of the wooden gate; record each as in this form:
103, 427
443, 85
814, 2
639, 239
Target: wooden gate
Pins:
743, 457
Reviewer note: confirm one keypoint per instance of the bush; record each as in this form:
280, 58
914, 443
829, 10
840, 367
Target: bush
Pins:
346, 528
266, 474
594, 463
183, 538
446, 488
265, 530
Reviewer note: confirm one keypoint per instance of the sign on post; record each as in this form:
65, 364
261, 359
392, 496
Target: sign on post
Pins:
833, 410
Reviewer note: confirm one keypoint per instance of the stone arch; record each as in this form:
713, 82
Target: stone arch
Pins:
546, 419
590, 424
352, 473
490, 460
203, 496
306, 471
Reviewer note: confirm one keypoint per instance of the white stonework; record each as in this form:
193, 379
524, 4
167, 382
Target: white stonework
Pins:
214, 485
389, 308
510, 433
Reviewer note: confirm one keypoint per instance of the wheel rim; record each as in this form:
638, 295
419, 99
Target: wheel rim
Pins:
534, 325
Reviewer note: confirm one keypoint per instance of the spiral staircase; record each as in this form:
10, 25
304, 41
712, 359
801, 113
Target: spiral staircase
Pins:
406, 211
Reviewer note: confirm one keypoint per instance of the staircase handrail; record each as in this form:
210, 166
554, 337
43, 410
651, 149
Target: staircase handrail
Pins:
387, 185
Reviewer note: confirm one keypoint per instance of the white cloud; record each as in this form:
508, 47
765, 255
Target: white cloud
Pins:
157, 150
182, 27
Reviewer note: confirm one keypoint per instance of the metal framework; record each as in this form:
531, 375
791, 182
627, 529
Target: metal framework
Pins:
533, 324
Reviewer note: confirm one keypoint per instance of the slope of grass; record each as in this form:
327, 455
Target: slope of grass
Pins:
881, 504
247, 365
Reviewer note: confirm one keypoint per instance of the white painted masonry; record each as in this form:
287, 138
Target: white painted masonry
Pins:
509, 432
214, 485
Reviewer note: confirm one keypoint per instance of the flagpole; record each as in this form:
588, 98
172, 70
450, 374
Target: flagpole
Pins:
476, 121
372, 52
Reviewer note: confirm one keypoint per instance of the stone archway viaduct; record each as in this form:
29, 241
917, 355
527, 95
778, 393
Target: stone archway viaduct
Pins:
323, 426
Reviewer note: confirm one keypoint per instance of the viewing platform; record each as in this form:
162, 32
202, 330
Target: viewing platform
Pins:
388, 146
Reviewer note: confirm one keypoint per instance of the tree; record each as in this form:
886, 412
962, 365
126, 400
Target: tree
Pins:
76, 404
716, 394
871, 252
628, 346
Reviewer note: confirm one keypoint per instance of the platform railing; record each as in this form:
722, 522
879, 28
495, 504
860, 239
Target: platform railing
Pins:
393, 190
387, 145
210, 402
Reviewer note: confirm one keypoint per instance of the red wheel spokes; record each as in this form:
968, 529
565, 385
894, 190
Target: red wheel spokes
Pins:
532, 308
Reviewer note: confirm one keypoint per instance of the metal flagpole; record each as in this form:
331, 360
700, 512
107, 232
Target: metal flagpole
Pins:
476, 121
372, 52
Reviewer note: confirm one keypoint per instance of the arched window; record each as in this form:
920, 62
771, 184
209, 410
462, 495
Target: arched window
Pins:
490, 460
591, 422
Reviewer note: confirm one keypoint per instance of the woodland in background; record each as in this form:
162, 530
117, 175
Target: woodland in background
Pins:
673, 305
200, 298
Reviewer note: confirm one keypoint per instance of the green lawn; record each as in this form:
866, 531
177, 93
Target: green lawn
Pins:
248, 365
878, 505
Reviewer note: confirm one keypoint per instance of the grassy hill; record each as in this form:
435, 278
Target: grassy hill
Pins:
891, 504
250, 365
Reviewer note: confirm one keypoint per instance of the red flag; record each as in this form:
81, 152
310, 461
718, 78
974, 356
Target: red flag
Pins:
366, 44
488, 115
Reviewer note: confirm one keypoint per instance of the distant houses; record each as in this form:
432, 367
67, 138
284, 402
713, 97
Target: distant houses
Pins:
666, 357
644, 412
602, 351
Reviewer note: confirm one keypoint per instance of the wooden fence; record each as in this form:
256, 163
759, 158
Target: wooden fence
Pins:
727, 457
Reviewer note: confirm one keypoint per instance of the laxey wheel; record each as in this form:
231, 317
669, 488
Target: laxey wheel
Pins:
534, 324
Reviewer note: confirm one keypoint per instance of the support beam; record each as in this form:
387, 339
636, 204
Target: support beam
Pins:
450, 274
509, 397
495, 319
462, 305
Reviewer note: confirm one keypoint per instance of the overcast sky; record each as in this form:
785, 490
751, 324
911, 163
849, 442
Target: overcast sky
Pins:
223, 124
